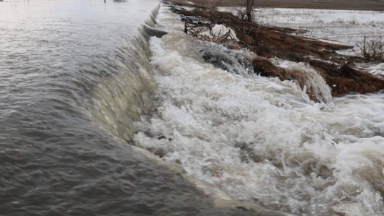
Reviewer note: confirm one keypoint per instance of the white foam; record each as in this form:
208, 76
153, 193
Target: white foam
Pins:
220, 30
313, 80
263, 140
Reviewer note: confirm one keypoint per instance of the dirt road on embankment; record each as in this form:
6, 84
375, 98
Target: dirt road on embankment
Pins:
376, 5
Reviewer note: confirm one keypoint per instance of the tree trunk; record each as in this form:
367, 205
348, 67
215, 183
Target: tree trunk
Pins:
249, 9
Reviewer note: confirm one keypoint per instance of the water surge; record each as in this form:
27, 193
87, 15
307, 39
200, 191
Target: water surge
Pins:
260, 139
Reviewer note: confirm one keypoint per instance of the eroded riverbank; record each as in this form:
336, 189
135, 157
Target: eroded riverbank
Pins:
311, 4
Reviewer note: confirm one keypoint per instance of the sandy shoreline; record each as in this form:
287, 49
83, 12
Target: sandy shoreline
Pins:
376, 5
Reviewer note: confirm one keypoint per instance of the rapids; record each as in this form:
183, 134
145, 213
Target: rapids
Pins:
259, 139
85, 92
74, 76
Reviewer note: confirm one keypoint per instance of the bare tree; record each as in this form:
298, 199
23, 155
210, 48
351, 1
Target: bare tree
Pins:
213, 4
249, 7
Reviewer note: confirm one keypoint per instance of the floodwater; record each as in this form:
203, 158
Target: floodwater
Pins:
260, 139
74, 75
85, 92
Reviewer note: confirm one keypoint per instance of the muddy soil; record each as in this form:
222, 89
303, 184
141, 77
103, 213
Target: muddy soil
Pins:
285, 43
374, 5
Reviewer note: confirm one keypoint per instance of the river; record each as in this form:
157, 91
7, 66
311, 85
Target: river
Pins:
74, 75
85, 92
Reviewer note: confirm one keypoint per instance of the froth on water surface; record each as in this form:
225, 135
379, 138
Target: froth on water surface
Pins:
74, 75
260, 139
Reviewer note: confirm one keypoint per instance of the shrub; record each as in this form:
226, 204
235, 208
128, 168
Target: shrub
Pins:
372, 50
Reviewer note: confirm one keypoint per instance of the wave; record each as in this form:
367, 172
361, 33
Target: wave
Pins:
120, 100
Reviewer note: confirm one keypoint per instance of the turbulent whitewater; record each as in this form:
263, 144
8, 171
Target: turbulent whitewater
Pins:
74, 77
259, 139
85, 92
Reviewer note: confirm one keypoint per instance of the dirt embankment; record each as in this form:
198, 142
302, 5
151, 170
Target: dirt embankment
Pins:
374, 5
268, 42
